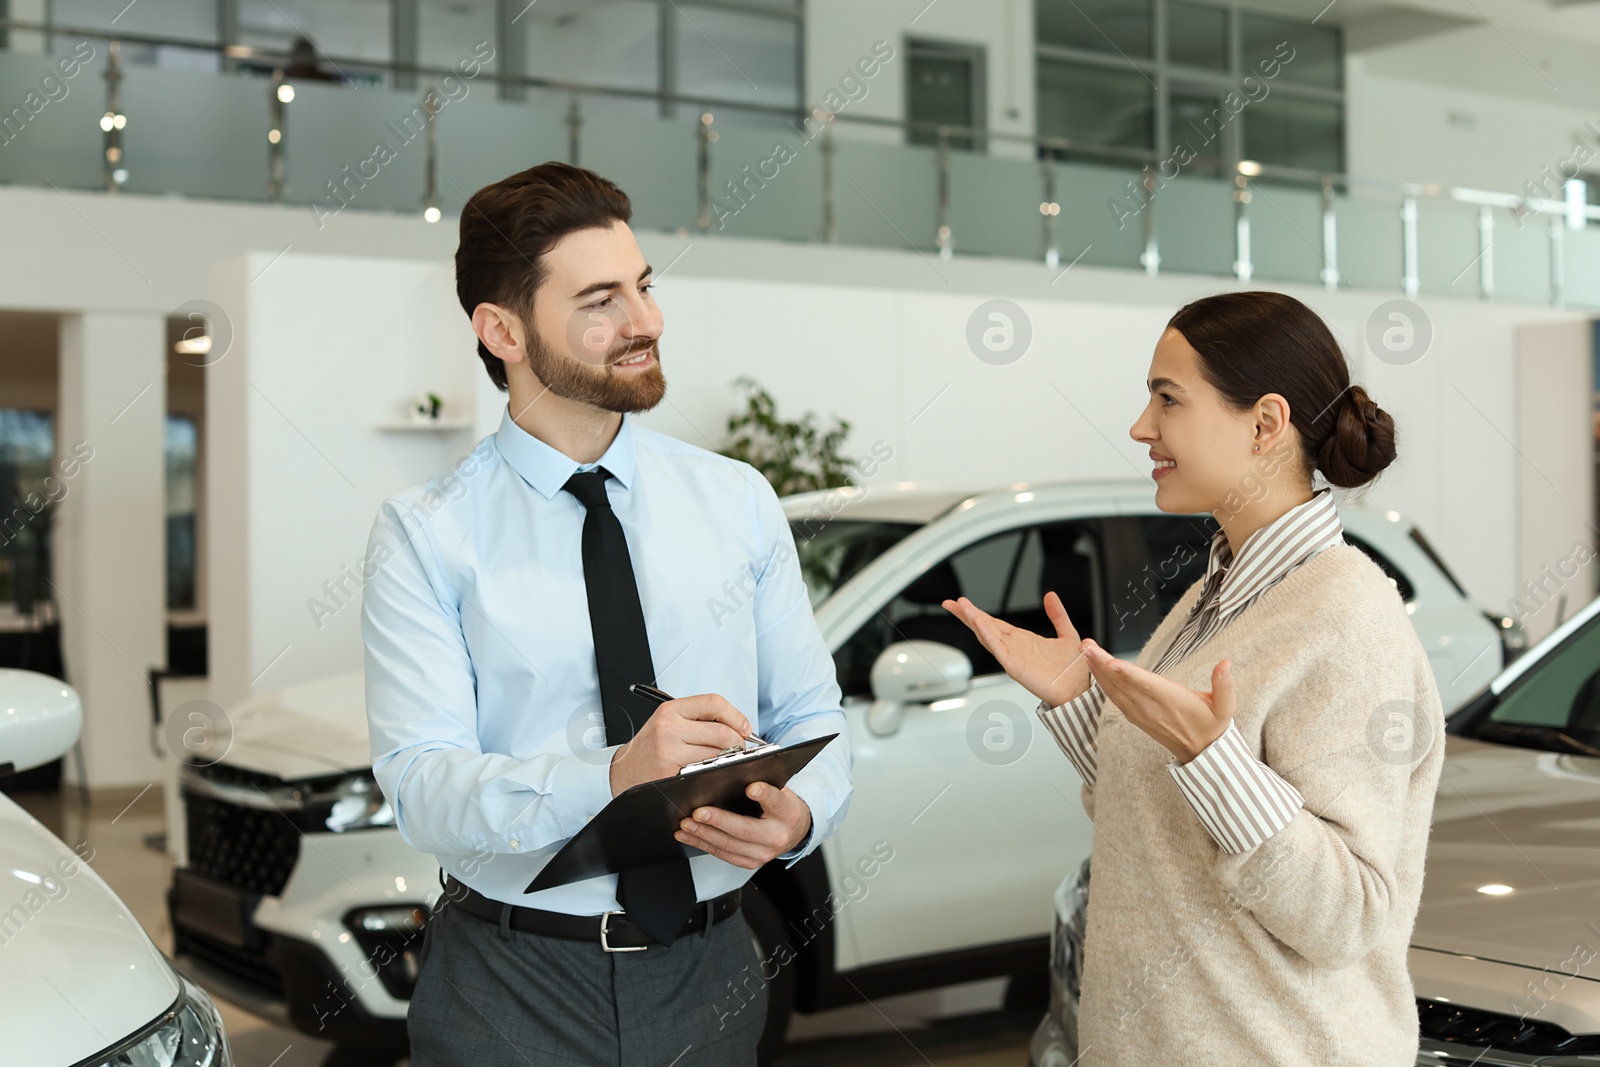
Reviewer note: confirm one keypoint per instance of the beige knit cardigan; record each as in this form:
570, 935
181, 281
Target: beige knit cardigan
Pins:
1293, 953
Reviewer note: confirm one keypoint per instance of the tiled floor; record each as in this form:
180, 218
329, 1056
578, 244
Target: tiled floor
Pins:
952, 1028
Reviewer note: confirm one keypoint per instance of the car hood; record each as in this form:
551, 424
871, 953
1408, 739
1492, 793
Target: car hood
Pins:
80, 973
302, 731
1521, 818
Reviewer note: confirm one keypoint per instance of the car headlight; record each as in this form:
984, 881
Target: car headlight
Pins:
356, 803
188, 1034
391, 937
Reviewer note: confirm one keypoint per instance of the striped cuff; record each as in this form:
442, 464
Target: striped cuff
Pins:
1074, 726
1240, 800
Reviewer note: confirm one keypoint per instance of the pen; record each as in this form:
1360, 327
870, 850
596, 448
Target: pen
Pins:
650, 692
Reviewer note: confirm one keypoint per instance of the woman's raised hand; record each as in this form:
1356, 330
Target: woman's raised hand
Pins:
1051, 668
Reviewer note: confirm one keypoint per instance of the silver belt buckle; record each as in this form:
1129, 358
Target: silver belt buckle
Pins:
605, 919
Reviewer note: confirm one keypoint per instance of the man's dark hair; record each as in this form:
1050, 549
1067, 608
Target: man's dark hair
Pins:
507, 227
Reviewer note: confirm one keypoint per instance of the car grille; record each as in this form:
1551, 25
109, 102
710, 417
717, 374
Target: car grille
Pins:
247, 848
1491, 1030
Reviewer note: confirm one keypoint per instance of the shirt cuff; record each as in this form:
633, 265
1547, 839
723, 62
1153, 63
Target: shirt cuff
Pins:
1075, 726
807, 843
582, 784
1240, 800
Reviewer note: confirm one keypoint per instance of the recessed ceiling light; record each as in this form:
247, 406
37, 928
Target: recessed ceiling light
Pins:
1495, 890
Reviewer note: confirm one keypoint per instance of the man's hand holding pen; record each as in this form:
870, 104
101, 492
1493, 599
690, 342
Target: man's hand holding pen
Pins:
688, 729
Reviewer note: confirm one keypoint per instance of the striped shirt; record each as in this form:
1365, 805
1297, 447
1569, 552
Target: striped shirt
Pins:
1240, 800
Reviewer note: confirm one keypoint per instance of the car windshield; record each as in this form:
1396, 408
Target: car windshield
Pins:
1554, 705
834, 550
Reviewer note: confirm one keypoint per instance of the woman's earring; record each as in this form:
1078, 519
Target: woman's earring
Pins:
1257, 448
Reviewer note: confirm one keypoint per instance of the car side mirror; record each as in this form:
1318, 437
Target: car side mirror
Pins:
40, 718
914, 672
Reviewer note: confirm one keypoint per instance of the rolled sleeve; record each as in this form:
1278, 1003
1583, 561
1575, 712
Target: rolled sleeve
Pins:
1240, 800
1075, 726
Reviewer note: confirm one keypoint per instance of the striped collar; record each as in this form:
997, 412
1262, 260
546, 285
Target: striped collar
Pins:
1271, 552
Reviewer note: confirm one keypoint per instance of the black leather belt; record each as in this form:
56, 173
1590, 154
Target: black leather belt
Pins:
612, 929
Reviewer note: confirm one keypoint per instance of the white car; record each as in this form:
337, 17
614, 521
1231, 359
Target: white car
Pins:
964, 813
82, 984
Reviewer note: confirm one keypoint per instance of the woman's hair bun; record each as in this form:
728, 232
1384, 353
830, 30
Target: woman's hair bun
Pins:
1360, 444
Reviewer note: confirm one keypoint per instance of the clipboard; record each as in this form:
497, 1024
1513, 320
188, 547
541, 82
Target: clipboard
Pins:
636, 829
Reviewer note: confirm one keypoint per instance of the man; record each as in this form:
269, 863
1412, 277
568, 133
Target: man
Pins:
573, 553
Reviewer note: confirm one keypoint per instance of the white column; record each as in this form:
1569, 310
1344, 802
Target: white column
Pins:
110, 541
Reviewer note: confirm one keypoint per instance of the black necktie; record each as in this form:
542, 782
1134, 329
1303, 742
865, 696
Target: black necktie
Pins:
659, 898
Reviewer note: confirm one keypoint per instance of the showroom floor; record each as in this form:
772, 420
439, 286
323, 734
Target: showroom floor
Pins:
952, 1028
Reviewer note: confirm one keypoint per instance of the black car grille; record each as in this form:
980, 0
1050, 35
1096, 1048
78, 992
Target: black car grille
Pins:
246, 848
1487, 1029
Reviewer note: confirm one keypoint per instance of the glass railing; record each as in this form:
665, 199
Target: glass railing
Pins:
76, 116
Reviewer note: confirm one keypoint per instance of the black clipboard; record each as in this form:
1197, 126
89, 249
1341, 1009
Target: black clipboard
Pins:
636, 829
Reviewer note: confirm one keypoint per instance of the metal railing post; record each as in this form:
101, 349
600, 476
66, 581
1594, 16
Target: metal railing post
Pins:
279, 95
430, 164
1409, 280
1242, 266
1485, 252
113, 171
1330, 238
1150, 258
830, 203
946, 248
1049, 212
1558, 261
704, 135
574, 128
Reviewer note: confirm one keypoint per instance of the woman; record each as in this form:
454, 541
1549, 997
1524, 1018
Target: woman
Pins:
1258, 844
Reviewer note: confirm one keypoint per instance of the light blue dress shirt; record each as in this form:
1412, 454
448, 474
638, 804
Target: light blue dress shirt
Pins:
482, 695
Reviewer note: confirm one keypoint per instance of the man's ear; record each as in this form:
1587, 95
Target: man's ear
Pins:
500, 330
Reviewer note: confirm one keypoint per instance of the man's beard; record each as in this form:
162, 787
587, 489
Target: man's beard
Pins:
602, 387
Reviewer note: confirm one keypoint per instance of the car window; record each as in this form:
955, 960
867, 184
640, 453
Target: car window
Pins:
1402, 584
1560, 691
1155, 559
1006, 575
832, 551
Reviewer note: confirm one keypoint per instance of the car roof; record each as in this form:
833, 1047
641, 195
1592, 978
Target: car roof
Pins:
922, 502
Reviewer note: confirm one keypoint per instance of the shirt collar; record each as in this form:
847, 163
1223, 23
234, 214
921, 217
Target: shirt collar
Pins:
547, 469
1272, 551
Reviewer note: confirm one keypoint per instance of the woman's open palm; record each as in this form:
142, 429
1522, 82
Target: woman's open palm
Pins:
1051, 668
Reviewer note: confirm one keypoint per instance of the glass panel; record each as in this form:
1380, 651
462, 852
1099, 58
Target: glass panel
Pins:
727, 55
1521, 258
1548, 694
1369, 242
1288, 132
185, 20
1060, 558
994, 206
52, 130
1583, 267
1096, 105
1114, 26
482, 140
611, 44
1447, 247
1194, 222
181, 447
342, 29
653, 160
198, 134
1202, 123
354, 149
449, 31
1100, 215
1318, 52
943, 93
832, 552
1285, 233
887, 195
27, 444
1197, 35
767, 182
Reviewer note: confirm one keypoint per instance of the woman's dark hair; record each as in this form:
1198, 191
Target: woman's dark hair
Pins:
507, 227
1259, 342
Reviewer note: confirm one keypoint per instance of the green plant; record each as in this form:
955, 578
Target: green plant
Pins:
794, 456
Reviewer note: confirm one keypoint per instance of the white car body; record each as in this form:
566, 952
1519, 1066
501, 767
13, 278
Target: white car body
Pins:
977, 804
81, 976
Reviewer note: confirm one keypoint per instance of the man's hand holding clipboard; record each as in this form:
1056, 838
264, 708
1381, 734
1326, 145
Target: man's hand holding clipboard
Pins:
691, 729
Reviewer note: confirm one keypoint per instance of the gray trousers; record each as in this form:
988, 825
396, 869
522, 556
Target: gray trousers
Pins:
491, 996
